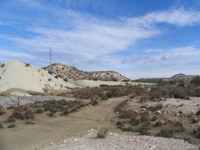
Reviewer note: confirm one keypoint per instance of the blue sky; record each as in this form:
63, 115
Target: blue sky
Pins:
138, 38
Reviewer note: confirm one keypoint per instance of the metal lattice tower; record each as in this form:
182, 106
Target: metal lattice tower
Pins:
50, 56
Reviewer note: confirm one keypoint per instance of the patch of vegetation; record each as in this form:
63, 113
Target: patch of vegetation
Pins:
17, 115
128, 129
39, 111
126, 114
2, 65
154, 108
66, 112
196, 80
104, 97
135, 122
29, 123
29, 114
189, 140
2, 113
1, 126
164, 132
10, 120
144, 132
197, 133
198, 112
158, 124
178, 127
119, 124
102, 132
154, 118
27, 65
12, 126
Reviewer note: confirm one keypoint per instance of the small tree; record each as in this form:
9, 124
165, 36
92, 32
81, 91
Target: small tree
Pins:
196, 80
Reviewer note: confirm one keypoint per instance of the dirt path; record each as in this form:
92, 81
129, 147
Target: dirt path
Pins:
48, 130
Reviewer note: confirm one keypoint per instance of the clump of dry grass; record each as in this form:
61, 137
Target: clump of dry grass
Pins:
102, 132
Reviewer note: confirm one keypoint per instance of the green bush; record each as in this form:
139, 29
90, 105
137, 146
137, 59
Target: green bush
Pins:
189, 140
104, 97
135, 122
129, 129
119, 124
196, 80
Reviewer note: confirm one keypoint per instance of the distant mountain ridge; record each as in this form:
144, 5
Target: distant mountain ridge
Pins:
66, 72
182, 75
176, 77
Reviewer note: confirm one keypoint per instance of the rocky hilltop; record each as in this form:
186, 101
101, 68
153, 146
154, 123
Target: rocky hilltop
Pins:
67, 72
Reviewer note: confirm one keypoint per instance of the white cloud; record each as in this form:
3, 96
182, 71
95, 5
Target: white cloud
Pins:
94, 40
93, 37
173, 54
179, 17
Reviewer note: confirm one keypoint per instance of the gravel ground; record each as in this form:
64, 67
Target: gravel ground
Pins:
7, 101
114, 141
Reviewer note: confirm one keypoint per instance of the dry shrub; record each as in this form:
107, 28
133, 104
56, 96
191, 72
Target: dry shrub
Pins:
39, 111
175, 126
102, 132
17, 115
165, 132
177, 92
154, 108
120, 107
109, 91
155, 94
130, 113
12, 126
1, 126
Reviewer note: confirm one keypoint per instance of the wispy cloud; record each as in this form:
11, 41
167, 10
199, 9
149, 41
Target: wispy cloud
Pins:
178, 17
92, 37
94, 40
174, 54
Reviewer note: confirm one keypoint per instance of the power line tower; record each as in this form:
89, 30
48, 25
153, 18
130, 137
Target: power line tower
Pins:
50, 56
